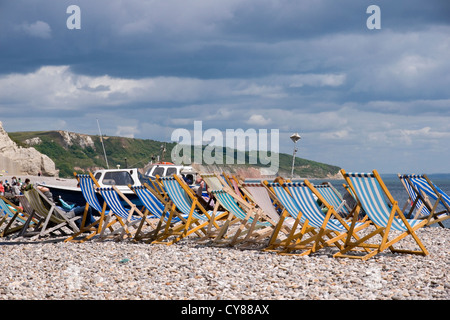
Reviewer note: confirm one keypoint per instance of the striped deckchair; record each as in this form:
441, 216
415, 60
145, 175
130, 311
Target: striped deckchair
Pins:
329, 224
213, 181
420, 190
14, 217
254, 224
235, 184
159, 208
188, 209
384, 212
333, 198
54, 218
301, 242
87, 186
263, 197
128, 217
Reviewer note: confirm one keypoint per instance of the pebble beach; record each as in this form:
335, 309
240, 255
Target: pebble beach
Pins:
50, 269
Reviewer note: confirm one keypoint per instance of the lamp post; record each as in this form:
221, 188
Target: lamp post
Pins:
295, 137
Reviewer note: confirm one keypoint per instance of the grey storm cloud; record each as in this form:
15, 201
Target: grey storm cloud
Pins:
148, 67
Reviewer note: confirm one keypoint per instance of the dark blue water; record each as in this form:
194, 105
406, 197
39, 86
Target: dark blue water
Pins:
397, 189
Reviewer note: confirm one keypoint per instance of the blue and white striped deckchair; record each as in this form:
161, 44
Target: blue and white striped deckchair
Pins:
333, 198
291, 206
13, 215
151, 202
246, 214
264, 198
87, 185
373, 196
186, 206
307, 204
420, 189
127, 217
416, 198
155, 206
302, 198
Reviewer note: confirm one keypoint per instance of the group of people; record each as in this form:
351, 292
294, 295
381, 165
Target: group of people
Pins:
14, 188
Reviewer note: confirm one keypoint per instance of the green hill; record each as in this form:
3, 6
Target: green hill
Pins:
82, 152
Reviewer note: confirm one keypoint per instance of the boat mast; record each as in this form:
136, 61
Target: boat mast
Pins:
101, 140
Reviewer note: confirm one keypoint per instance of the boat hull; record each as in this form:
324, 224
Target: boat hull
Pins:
74, 195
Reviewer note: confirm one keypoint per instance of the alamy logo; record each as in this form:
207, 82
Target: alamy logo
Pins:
241, 147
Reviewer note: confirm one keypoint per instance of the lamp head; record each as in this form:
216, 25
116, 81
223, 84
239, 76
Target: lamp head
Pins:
295, 137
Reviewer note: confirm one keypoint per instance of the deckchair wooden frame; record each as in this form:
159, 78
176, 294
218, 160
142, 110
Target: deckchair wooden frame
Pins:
422, 202
336, 232
282, 229
166, 223
125, 216
16, 220
382, 230
89, 193
40, 203
193, 223
293, 239
254, 224
217, 182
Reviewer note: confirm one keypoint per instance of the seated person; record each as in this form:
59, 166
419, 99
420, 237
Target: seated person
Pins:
70, 210
73, 210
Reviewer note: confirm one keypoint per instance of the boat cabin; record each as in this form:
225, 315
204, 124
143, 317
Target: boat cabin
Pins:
117, 177
167, 169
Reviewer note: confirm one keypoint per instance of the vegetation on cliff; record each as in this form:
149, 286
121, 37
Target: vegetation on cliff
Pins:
70, 155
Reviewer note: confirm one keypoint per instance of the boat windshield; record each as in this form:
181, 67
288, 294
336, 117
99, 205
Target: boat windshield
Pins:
120, 178
158, 171
171, 171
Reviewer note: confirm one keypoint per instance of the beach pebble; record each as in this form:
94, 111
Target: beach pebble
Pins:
52, 269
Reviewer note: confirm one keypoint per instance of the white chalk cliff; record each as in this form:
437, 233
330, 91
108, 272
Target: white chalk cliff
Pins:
26, 161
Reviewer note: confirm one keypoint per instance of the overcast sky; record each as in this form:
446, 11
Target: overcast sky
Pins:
361, 98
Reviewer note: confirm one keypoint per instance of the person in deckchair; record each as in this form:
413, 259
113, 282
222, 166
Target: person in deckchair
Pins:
70, 209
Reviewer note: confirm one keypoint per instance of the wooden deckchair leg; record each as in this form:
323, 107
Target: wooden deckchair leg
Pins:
277, 229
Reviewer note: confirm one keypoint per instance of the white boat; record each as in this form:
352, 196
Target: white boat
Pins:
121, 178
106, 178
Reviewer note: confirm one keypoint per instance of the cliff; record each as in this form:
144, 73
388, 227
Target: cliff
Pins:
18, 160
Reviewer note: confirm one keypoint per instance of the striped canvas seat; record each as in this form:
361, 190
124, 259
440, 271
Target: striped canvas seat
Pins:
126, 213
230, 204
432, 190
328, 192
384, 212
420, 205
285, 198
193, 216
6, 212
87, 186
88, 190
180, 199
421, 184
372, 199
112, 200
152, 203
307, 204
